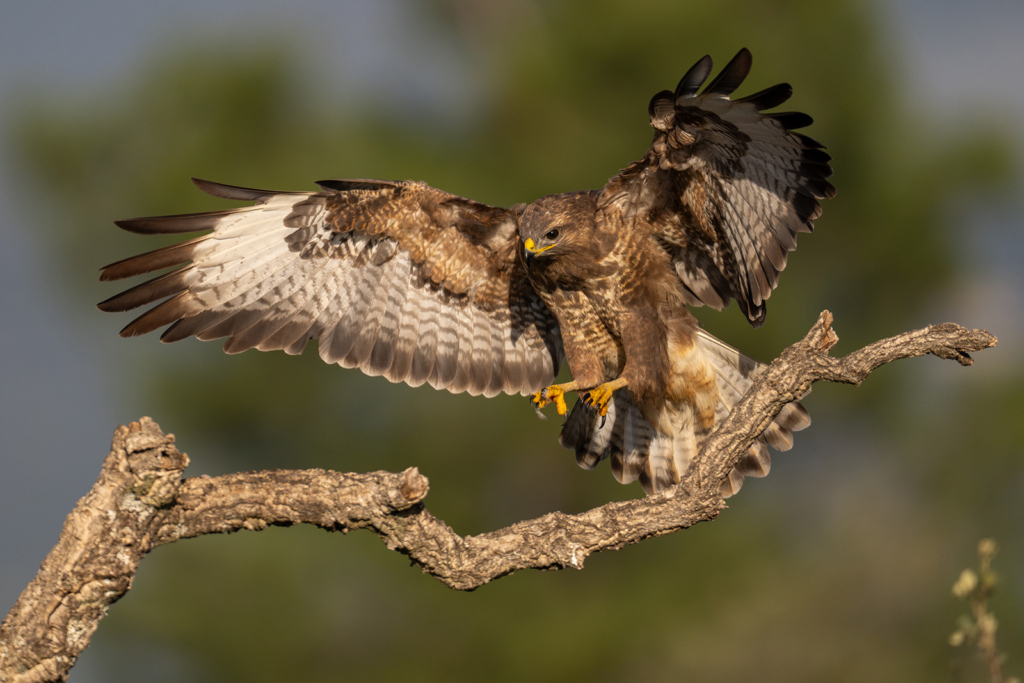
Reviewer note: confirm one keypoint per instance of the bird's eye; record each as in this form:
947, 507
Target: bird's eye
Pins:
552, 234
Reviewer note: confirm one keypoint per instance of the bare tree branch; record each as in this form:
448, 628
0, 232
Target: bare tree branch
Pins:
141, 501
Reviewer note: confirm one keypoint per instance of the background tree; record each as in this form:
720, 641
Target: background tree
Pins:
836, 566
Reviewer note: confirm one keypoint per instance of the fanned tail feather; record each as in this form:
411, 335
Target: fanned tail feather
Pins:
636, 450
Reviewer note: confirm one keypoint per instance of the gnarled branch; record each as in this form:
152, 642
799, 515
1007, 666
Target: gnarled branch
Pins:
141, 501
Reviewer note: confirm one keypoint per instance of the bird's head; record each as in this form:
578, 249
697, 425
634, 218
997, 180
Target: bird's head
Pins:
554, 227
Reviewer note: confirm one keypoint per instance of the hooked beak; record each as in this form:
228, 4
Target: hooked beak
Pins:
530, 250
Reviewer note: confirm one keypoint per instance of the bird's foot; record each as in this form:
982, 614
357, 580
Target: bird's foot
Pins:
553, 394
598, 397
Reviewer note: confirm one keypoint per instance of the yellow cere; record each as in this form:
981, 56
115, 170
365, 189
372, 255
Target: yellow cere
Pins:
531, 246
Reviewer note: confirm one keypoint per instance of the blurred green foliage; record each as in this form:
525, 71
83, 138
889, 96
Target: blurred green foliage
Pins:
836, 569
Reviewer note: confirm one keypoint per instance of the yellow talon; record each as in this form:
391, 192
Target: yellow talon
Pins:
599, 396
553, 394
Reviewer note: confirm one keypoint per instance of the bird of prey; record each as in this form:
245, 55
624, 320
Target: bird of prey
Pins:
403, 280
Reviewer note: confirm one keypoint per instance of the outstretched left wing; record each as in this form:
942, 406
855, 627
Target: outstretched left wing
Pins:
396, 278
724, 188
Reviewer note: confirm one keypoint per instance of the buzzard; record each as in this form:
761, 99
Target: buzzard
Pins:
403, 280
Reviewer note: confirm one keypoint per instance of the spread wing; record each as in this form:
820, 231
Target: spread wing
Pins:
396, 278
724, 188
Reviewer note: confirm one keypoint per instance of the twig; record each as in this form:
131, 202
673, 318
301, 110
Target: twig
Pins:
981, 626
141, 501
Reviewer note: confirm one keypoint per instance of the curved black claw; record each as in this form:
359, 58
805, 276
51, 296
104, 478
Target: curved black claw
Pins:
593, 403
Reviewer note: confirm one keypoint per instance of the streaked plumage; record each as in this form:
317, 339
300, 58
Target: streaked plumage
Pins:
403, 280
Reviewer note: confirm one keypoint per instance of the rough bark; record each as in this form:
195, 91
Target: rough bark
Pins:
141, 501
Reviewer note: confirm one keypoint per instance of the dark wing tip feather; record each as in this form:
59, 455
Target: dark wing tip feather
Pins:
146, 293
242, 194
164, 257
811, 143
769, 97
732, 75
813, 154
807, 207
167, 312
133, 329
791, 120
357, 184
168, 335
172, 225
755, 313
691, 81
813, 169
828, 190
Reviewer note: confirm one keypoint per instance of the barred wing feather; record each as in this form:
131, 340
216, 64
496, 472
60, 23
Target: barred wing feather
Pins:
396, 278
724, 187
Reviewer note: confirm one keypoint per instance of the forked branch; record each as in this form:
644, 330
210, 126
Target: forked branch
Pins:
141, 501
